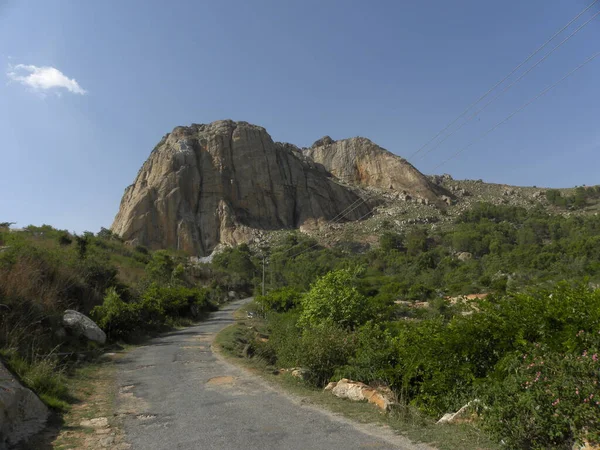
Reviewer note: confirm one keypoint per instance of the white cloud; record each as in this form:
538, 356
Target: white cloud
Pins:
43, 79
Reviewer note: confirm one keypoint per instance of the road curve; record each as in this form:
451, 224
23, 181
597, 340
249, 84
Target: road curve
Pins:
174, 393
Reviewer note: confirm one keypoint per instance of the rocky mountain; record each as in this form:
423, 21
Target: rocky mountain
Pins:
360, 162
228, 182
218, 183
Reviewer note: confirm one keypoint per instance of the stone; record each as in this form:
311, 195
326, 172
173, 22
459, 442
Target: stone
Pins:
300, 373
108, 441
81, 325
232, 295
464, 414
585, 445
96, 423
352, 390
22, 413
464, 256
220, 183
110, 356
379, 395
330, 386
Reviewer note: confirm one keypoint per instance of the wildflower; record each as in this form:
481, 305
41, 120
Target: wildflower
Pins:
577, 391
584, 354
595, 356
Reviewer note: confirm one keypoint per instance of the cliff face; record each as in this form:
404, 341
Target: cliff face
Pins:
360, 162
209, 184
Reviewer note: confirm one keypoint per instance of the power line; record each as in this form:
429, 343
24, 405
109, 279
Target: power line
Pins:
339, 216
331, 223
476, 113
344, 211
503, 79
525, 105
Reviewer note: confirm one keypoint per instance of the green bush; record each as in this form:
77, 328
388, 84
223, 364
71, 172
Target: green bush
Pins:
375, 355
334, 298
546, 399
279, 300
284, 335
158, 308
118, 319
323, 348
176, 301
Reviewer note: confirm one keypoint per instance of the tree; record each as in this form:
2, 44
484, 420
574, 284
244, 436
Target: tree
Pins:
334, 298
82, 245
391, 241
160, 268
416, 242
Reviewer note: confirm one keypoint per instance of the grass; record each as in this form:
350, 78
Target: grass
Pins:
43, 376
406, 420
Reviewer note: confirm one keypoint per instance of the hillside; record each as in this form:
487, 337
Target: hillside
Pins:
230, 183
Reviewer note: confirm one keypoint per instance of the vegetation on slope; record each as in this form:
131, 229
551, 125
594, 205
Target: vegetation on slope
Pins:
529, 351
130, 292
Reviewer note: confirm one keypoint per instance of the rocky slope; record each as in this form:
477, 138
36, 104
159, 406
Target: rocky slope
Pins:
360, 162
208, 184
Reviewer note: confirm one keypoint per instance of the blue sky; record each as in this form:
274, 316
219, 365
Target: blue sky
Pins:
127, 72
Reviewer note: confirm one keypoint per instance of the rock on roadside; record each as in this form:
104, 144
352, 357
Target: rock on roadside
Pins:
464, 414
381, 396
22, 413
82, 325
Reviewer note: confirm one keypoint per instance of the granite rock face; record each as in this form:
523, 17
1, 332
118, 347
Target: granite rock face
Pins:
360, 162
209, 184
22, 413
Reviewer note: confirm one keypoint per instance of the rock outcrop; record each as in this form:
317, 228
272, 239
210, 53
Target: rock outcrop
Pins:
360, 162
209, 184
22, 413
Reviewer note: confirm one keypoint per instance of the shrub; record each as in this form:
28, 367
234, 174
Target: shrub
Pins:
334, 299
175, 301
65, 239
279, 300
546, 399
391, 241
117, 318
375, 356
284, 337
160, 268
323, 348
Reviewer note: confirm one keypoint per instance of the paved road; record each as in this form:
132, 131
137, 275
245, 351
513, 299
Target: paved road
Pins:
174, 393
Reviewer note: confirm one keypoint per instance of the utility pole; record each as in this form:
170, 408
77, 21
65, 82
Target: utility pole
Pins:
263, 278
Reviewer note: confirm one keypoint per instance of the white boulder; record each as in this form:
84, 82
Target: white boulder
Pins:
82, 325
